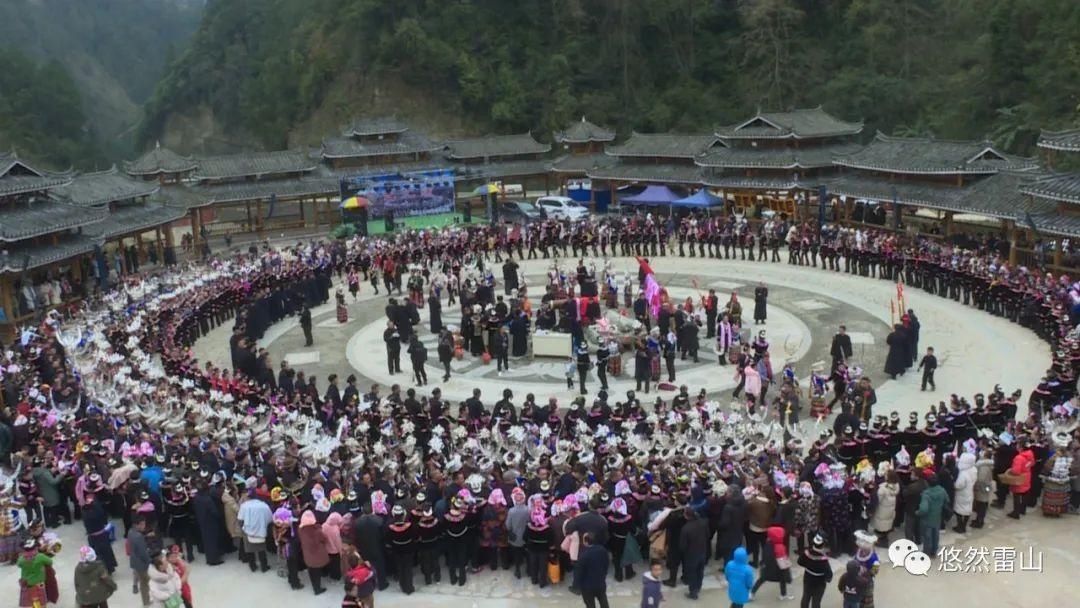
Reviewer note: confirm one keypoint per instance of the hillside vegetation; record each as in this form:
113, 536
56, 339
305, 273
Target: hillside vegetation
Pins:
951, 68
115, 52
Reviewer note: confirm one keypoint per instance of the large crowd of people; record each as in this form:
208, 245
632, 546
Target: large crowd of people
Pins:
110, 418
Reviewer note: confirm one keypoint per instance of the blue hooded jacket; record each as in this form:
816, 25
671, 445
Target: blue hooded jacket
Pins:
740, 577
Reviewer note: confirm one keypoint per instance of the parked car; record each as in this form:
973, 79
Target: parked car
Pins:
519, 211
561, 207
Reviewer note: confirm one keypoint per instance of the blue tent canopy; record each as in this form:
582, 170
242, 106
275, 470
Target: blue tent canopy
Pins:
652, 195
700, 199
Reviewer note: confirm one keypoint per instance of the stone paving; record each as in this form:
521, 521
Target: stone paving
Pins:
976, 351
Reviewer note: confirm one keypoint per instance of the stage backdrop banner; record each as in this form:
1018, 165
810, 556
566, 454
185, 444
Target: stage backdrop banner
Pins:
403, 194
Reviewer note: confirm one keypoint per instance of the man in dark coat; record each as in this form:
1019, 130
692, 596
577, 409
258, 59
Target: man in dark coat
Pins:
841, 347
590, 572
694, 548
392, 339
305, 324
434, 313
211, 526
285, 379
732, 522
898, 359
510, 276
761, 299
368, 538
913, 334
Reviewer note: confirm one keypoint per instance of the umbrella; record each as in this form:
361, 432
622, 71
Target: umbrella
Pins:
487, 189
355, 202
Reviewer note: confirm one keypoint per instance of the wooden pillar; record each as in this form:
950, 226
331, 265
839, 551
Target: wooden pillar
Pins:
168, 235
247, 210
303, 218
1057, 255
158, 245
259, 217
547, 183
1014, 236
196, 232
139, 248
7, 297
948, 223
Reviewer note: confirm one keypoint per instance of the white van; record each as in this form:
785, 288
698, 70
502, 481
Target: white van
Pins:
561, 207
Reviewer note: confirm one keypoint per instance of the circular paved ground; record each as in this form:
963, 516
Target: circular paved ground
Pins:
975, 350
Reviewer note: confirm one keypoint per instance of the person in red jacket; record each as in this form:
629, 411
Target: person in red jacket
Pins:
776, 565
1021, 467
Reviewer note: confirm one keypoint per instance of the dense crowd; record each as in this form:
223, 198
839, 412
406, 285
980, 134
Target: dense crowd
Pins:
110, 417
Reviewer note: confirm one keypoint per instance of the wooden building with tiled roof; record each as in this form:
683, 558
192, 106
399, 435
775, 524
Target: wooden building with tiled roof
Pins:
42, 242
376, 141
775, 159
929, 183
162, 165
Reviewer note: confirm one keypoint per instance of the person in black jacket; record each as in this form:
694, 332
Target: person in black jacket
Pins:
501, 349
446, 352
393, 348
602, 355
430, 533
457, 526
285, 379
418, 356
817, 573
841, 347
583, 365
538, 541
732, 522
305, 324
402, 535
590, 573
694, 547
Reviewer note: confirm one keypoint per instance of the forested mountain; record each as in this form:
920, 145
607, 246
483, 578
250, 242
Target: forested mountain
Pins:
115, 51
41, 117
267, 71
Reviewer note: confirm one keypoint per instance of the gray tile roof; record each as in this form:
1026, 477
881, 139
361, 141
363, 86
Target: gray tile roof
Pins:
582, 163
998, 196
33, 256
104, 187
1068, 141
177, 195
17, 177
737, 182
366, 127
744, 157
517, 168
159, 160
407, 143
1055, 187
648, 172
1057, 224
11, 185
494, 146
663, 145
247, 164
44, 217
918, 155
432, 164
133, 218
923, 195
796, 124
262, 190
584, 132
